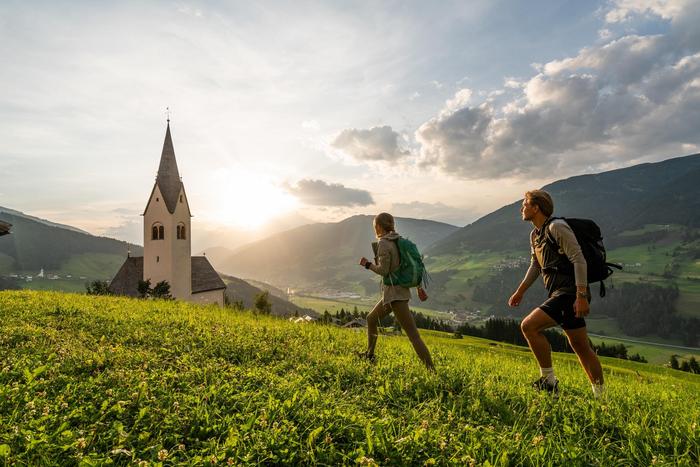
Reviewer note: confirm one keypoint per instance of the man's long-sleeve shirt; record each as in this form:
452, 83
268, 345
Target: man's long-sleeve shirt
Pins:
547, 260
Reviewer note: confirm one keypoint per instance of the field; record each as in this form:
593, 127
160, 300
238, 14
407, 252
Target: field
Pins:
320, 305
101, 380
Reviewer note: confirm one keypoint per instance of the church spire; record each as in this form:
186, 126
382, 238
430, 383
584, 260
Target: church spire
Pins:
168, 178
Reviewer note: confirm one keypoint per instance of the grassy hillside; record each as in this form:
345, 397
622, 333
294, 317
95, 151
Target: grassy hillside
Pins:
35, 244
103, 379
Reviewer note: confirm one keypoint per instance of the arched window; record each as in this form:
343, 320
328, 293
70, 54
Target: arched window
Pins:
157, 232
181, 232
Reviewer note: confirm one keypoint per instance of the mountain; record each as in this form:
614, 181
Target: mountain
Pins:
4, 210
620, 200
323, 255
34, 244
240, 290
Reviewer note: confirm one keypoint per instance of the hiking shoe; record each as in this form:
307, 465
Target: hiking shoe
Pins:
543, 385
365, 356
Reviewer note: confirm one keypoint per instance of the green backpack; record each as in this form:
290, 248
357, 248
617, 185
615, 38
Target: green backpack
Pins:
411, 271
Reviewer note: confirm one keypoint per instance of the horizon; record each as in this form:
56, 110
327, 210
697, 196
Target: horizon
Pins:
290, 114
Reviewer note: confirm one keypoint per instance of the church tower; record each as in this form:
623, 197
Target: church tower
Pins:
166, 228
166, 243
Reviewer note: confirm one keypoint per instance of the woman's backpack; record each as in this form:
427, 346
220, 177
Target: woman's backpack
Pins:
411, 271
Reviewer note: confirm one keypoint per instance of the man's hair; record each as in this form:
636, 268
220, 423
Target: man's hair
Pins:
541, 199
385, 221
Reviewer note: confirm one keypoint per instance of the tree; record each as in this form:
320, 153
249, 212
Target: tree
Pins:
161, 290
144, 288
674, 362
97, 287
262, 303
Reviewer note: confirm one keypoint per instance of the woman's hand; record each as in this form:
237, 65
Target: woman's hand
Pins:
363, 261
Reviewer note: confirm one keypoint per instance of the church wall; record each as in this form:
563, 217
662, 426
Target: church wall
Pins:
209, 297
181, 284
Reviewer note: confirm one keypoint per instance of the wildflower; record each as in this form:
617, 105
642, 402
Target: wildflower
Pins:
537, 440
366, 461
64, 405
328, 439
81, 443
46, 411
424, 424
30, 405
162, 454
213, 460
143, 464
176, 405
229, 461
181, 447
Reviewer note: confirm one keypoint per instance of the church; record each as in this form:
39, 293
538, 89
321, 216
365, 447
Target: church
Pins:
166, 243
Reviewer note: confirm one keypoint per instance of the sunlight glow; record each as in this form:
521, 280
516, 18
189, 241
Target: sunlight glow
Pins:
246, 200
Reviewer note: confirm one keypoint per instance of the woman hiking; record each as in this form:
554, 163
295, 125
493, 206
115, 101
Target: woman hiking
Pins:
394, 297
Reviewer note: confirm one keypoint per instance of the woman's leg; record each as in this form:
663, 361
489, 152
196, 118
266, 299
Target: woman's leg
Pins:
405, 318
378, 312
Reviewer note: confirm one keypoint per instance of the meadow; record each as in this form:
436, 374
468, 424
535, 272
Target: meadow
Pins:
104, 380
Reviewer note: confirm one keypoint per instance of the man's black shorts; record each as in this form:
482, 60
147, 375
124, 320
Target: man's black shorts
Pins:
561, 309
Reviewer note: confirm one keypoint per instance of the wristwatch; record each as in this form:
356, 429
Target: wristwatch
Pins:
581, 294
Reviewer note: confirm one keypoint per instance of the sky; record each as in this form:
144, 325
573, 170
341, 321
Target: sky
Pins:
290, 112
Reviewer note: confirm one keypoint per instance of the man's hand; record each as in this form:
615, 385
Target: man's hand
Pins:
581, 307
515, 299
363, 261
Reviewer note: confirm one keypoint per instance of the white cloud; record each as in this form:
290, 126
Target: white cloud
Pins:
312, 125
321, 193
628, 99
375, 144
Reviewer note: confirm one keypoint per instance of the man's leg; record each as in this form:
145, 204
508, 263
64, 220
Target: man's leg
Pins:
532, 327
378, 312
405, 318
578, 338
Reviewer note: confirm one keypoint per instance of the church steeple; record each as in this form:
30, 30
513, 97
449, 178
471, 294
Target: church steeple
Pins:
168, 179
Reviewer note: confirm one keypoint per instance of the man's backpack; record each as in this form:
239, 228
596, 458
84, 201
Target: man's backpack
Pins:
591, 241
411, 271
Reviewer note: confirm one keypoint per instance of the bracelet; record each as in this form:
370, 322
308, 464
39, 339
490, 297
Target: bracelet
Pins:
582, 294
368, 264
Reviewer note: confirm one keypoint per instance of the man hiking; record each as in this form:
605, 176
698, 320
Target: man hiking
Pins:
553, 245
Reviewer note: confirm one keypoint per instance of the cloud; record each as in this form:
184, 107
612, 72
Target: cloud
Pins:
379, 143
320, 193
631, 98
434, 211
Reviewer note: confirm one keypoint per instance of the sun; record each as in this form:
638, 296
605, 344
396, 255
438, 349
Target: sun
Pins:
247, 200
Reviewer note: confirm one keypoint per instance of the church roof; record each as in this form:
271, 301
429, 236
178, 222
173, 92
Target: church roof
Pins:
126, 281
4, 228
168, 178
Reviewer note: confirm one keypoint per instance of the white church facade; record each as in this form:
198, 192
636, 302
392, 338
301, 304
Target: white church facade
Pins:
167, 252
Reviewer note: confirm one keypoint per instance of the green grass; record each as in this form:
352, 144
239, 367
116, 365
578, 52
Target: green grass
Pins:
104, 380
62, 285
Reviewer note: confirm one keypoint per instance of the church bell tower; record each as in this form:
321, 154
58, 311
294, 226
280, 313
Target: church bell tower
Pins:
166, 228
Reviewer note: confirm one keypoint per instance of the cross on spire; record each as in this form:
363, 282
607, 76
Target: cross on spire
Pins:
167, 113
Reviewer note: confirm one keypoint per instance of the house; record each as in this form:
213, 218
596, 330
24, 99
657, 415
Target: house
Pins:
167, 243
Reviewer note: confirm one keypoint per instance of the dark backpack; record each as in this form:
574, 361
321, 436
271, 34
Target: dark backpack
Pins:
591, 242
411, 271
